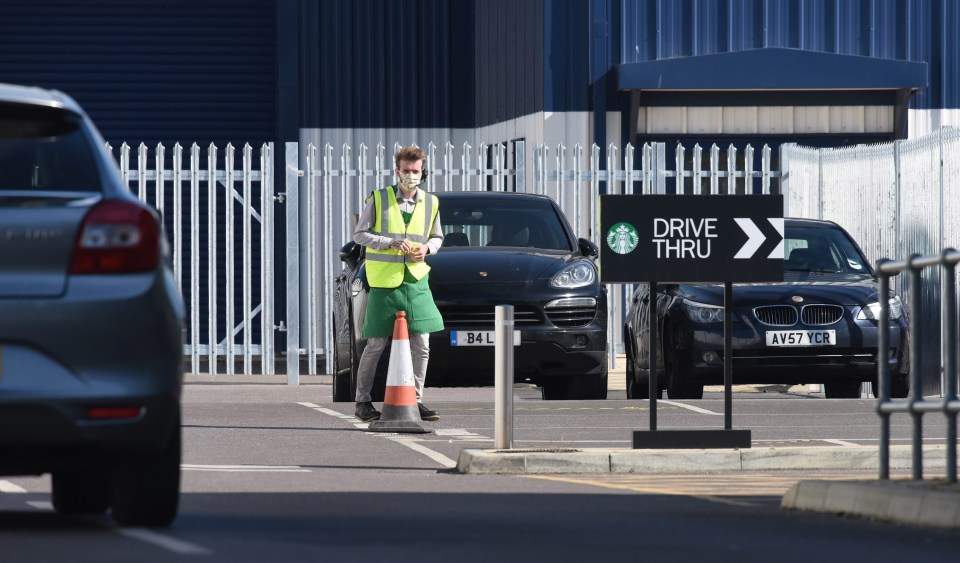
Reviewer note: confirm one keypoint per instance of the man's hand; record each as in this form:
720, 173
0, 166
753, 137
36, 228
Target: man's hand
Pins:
418, 253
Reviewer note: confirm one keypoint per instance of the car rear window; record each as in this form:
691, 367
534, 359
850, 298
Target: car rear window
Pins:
528, 223
44, 149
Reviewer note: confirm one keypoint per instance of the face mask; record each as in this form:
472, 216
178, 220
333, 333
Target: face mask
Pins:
410, 180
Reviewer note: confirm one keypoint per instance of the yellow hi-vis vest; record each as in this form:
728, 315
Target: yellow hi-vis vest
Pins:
385, 267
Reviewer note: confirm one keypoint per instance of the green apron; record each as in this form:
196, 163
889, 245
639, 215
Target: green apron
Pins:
412, 296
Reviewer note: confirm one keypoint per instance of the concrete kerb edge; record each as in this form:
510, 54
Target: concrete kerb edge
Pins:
892, 501
599, 460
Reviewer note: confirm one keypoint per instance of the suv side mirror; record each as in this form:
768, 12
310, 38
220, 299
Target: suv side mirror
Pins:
350, 254
587, 248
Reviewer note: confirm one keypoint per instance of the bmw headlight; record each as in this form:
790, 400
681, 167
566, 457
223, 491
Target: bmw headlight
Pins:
575, 275
703, 313
871, 312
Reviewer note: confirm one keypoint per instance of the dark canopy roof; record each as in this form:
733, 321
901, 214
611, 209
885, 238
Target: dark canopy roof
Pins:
773, 69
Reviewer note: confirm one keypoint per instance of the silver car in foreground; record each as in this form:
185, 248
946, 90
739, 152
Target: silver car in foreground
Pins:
90, 320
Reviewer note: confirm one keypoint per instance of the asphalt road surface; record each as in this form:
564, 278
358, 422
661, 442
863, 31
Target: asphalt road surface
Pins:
280, 473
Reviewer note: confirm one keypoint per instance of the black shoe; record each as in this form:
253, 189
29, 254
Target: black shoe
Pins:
427, 414
366, 412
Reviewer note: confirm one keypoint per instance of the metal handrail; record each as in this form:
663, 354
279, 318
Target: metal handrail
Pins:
915, 404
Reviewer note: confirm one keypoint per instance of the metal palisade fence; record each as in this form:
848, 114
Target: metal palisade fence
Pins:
325, 208
218, 216
895, 199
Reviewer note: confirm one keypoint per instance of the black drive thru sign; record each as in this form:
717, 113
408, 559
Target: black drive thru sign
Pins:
691, 238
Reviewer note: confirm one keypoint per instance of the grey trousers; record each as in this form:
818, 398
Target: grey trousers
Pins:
366, 371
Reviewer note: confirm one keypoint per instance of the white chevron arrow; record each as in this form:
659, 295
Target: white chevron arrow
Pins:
755, 237
778, 251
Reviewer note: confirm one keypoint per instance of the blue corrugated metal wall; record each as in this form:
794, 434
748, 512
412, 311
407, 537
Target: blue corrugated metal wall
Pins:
531, 56
386, 63
567, 54
185, 71
914, 30
181, 70
510, 59
441, 63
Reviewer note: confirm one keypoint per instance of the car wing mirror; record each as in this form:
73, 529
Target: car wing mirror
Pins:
587, 248
350, 254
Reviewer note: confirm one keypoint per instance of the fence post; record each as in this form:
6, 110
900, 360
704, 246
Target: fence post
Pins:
230, 269
268, 311
293, 262
212, 268
659, 168
883, 369
520, 166
195, 257
948, 303
714, 169
784, 176
916, 369
897, 166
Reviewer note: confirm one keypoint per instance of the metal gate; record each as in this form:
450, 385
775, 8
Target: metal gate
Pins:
218, 214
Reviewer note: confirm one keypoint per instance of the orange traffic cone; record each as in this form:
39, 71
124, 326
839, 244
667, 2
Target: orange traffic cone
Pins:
400, 412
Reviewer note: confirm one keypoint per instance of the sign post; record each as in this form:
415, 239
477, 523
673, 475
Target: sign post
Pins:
709, 239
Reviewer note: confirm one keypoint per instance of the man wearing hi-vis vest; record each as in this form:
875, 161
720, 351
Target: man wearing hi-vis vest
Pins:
399, 226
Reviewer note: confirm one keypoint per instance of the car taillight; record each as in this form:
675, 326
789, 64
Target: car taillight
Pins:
113, 413
116, 237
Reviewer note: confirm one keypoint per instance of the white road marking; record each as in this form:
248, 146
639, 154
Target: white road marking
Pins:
689, 407
841, 443
325, 410
179, 547
8, 487
435, 456
461, 435
419, 448
245, 468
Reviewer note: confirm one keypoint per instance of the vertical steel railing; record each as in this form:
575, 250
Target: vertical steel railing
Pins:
915, 404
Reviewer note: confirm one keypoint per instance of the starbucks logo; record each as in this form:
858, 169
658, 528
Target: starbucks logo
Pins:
622, 238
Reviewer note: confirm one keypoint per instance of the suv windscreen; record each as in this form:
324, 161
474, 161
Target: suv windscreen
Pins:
531, 223
44, 148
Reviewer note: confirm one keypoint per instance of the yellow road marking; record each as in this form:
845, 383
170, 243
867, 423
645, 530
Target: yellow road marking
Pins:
717, 488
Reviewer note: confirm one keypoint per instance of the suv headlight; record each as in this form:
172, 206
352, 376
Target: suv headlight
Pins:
703, 313
356, 287
575, 275
871, 312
